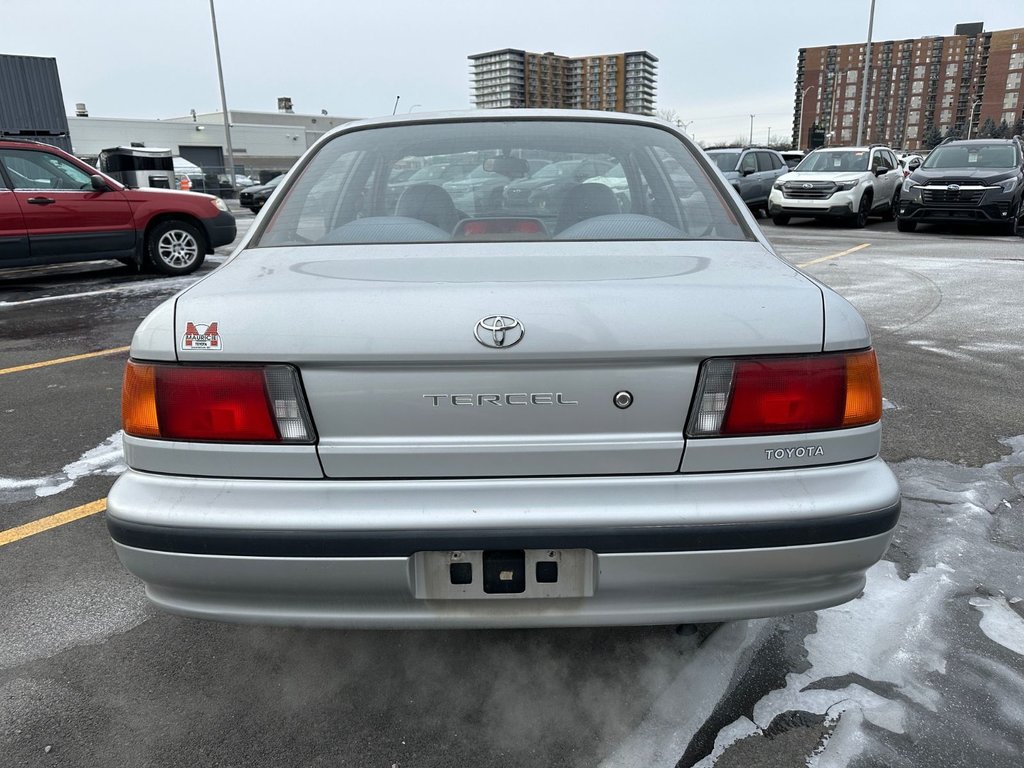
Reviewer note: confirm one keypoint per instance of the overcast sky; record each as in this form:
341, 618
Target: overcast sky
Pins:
719, 61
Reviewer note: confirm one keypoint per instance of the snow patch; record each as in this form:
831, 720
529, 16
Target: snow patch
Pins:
107, 458
1000, 623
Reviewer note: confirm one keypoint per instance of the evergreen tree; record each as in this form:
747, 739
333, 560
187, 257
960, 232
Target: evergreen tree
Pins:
1018, 128
953, 132
988, 129
1002, 132
932, 137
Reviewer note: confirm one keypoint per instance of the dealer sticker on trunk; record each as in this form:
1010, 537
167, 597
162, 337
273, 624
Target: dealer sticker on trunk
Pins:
201, 337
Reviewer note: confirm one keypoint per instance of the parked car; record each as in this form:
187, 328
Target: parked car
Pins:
981, 180
542, 192
910, 163
846, 183
573, 417
255, 197
615, 179
751, 171
483, 188
54, 209
792, 157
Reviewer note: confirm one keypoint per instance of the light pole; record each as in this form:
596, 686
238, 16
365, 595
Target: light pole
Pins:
751, 129
970, 122
769, 142
867, 72
223, 100
800, 129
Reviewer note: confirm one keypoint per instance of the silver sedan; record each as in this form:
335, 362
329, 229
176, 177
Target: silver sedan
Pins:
383, 411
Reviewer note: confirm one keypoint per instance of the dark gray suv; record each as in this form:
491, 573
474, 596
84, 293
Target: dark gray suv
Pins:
981, 180
751, 171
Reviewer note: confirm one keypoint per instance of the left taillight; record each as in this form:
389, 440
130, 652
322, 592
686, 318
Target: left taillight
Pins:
242, 404
786, 394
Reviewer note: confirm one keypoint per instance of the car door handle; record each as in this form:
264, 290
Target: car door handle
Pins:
40, 201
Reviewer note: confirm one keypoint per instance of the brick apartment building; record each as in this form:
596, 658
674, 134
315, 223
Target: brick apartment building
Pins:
948, 83
618, 82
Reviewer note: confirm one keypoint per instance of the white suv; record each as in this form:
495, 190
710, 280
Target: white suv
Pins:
850, 183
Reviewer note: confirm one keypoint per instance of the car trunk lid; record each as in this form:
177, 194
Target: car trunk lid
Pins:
399, 385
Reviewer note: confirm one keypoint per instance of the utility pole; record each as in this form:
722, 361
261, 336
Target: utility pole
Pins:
395, 109
865, 85
223, 101
751, 125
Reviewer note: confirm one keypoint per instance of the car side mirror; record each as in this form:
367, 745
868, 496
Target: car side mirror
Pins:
914, 165
99, 183
747, 171
882, 171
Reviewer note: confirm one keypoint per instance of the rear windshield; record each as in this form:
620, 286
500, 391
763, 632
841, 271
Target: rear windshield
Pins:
973, 156
492, 180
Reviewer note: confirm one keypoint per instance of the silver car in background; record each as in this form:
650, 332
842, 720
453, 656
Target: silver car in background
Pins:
383, 411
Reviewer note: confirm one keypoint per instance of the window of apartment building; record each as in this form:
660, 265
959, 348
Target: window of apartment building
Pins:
848, 105
951, 70
1010, 117
915, 102
947, 101
919, 71
851, 76
1010, 101
1017, 60
917, 87
847, 120
949, 87
913, 117
1013, 81
851, 91
912, 132
944, 116
846, 134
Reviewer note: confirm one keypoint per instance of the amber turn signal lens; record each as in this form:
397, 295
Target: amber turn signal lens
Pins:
863, 389
138, 401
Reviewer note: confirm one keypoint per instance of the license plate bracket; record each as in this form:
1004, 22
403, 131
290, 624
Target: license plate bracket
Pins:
504, 574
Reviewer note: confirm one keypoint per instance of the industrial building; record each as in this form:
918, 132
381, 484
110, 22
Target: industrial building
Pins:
617, 82
262, 141
951, 84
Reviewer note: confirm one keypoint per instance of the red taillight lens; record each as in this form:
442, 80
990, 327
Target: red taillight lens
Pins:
768, 396
214, 404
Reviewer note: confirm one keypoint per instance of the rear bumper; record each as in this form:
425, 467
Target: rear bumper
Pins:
668, 549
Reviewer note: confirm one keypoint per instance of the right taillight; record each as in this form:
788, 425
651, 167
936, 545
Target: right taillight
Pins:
239, 404
786, 394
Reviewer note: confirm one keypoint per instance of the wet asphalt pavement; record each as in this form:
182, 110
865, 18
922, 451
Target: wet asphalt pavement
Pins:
907, 675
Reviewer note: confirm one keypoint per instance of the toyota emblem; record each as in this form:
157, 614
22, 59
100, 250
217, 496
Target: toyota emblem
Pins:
499, 331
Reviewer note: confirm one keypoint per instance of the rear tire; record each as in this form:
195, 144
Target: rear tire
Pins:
780, 219
905, 226
175, 247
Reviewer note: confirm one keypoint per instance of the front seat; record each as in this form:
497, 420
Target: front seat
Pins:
429, 203
585, 201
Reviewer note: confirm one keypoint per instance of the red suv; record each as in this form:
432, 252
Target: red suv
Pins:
54, 208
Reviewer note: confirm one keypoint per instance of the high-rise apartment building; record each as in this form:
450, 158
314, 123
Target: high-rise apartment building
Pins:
618, 82
947, 83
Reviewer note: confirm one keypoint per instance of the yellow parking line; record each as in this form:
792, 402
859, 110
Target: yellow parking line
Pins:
59, 360
44, 524
847, 252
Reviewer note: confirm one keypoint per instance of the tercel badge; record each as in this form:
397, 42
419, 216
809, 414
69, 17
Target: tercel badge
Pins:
201, 337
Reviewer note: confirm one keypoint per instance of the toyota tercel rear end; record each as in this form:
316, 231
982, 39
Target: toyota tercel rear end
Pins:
619, 408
